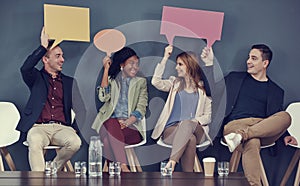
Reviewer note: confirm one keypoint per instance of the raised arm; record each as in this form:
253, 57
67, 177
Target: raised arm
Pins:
28, 69
106, 64
157, 80
104, 89
167, 54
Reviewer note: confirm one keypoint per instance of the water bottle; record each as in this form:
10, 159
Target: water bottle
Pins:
95, 157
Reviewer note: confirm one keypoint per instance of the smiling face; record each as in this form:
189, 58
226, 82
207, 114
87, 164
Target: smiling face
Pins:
53, 60
256, 66
131, 67
181, 68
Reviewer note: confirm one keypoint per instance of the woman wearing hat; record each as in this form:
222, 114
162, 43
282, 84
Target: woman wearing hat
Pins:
184, 120
125, 100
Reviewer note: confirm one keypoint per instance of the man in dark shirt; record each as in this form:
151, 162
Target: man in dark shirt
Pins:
254, 114
47, 116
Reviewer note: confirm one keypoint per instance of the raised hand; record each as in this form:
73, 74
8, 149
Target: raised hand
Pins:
168, 51
207, 55
106, 62
44, 38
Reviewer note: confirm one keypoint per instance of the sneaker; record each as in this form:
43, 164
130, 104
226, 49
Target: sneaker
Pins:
233, 140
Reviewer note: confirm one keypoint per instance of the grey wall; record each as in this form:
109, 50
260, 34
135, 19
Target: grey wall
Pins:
274, 22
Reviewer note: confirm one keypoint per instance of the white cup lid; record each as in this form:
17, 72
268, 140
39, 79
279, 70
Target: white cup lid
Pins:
209, 159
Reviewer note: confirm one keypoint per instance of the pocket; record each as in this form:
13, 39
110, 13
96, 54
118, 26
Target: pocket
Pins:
102, 111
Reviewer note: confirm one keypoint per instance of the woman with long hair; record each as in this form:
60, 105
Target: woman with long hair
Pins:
184, 120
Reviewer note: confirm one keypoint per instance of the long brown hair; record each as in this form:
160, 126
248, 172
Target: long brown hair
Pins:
190, 59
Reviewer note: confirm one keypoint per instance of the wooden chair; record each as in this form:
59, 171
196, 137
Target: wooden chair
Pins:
197, 165
9, 118
294, 110
133, 161
235, 160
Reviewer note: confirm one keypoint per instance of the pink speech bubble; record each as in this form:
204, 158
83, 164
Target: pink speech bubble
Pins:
191, 23
109, 40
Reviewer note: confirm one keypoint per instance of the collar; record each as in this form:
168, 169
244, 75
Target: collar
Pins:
59, 74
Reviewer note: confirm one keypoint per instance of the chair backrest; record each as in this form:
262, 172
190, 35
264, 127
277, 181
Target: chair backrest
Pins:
9, 118
294, 110
144, 129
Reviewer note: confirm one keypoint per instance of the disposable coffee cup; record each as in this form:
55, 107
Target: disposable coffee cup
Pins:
209, 166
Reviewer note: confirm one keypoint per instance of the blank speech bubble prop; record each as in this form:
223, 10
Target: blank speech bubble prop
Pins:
109, 41
191, 23
66, 23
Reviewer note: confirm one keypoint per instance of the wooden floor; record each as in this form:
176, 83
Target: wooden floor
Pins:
27, 178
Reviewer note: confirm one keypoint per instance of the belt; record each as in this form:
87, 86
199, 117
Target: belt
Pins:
51, 122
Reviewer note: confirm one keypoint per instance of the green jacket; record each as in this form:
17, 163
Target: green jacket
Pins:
137, 101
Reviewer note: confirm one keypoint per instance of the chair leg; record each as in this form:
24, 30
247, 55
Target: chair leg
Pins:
197, 165
105, 167
1, 163
263, 177
297, 178
8, 159
69, 166
136, 161
234, 161
130, 159
290, 168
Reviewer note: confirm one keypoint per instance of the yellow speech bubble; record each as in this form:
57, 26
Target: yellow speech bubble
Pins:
66, 23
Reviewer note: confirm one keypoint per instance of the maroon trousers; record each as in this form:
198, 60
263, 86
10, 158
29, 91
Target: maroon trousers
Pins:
114, 139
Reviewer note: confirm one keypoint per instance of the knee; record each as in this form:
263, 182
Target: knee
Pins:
286, 117
35, 141
74, 143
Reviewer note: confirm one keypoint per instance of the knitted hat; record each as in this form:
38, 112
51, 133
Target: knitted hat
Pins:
122, 55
